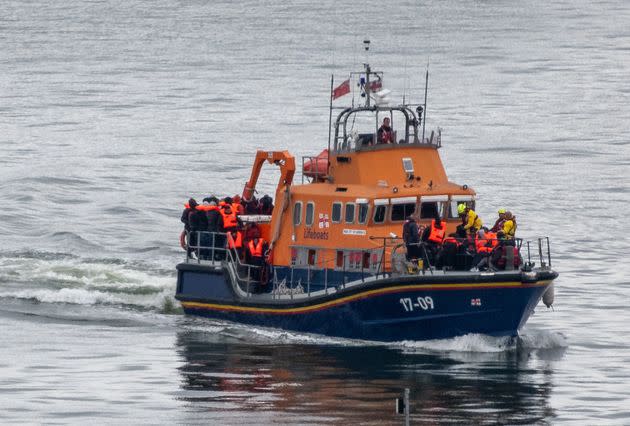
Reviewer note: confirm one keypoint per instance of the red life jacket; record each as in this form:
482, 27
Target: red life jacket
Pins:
235, 240
256, 250
437, 234
229, 219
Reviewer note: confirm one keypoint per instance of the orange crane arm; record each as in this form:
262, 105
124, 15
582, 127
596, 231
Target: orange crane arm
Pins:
282, 159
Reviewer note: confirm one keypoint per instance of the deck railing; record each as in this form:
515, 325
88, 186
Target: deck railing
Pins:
210, 249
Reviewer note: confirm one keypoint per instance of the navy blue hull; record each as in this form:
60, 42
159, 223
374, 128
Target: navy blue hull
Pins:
392, 309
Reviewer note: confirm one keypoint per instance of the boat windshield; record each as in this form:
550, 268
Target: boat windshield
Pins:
366, 128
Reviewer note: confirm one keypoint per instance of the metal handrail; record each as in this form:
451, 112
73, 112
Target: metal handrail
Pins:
229, 255
544, 253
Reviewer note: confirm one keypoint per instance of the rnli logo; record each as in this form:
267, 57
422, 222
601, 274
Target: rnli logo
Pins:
324, 221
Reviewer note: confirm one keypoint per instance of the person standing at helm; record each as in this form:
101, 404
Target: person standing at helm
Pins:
385, 133
471, 221
498, 225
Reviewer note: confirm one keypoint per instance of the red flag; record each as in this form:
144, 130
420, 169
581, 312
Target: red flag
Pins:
342, 89
375, 86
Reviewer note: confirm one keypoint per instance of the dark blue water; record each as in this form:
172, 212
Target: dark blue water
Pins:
112, 114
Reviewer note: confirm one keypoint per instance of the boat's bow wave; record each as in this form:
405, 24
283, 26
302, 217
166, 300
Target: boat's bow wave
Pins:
59, 278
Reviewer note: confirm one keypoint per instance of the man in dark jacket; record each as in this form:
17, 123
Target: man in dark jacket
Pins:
197, 223
215, 226
266, 205
411, 238
192, 204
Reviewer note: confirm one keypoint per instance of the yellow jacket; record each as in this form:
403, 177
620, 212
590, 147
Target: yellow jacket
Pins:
473, 220
509, 228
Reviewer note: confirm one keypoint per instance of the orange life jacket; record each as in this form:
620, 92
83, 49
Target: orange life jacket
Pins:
229, 219
481, 245
238, 208
437, 234
235, 242
207, 208
256, 250
491, 237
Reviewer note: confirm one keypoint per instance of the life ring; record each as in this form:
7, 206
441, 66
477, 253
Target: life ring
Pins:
182, 240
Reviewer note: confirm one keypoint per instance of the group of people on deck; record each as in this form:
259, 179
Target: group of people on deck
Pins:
473, 246
216, 224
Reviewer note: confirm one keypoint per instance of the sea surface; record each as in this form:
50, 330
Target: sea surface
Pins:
113, 113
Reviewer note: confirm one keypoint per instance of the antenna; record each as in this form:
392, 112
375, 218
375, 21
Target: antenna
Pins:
426, 85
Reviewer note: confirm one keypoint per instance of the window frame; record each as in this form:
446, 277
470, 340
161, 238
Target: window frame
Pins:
376, 207
312, 204
367, 213
454, 200
405, 214
332, 212
299, 221
345, 211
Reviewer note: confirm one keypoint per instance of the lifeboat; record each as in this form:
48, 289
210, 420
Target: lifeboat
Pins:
343, 251
316, 167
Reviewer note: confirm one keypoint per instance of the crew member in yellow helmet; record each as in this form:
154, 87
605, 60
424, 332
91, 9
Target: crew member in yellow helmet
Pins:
471, 221
498, 225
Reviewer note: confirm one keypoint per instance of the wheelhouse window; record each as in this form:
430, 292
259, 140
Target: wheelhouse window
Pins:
362, 206
401, 211
429, 210
336, 213
297, 213
402, 208
349, 212
379, 213
467, 200
310, 214
363, 213
432, 206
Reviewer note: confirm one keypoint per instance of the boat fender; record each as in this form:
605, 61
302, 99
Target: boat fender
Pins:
182, 240
548, 296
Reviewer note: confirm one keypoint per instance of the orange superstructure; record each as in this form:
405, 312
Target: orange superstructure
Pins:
341, 215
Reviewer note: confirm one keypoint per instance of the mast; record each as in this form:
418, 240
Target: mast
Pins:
426, 85
366, 44
332, 82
